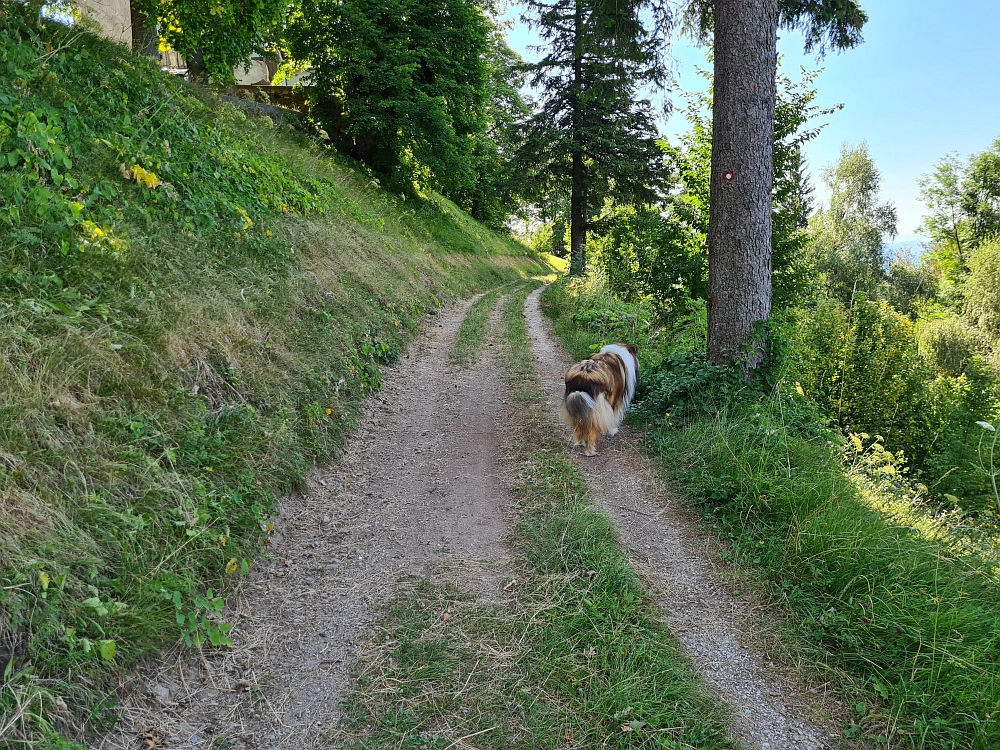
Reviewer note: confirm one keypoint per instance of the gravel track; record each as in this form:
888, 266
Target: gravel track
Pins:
417, 493
421, 490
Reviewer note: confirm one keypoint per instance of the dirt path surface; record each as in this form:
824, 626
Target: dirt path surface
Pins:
416, 493
420, 492
665, 546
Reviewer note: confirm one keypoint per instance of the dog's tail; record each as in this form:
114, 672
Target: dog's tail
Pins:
576, 408
581, 408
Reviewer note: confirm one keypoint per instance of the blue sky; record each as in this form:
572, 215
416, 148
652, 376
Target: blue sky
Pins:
924, 82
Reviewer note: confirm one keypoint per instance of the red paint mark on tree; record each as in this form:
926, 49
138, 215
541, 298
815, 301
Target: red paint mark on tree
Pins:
729, 175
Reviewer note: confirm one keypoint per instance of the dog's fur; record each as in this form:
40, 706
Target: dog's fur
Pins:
598, 392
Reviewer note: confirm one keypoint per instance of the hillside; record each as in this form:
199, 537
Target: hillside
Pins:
193, 305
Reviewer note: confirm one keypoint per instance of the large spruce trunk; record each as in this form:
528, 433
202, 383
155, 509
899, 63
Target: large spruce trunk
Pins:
739, 227
578, 188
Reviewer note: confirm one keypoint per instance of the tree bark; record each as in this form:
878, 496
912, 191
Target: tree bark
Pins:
739, 227
145, 39
578, 190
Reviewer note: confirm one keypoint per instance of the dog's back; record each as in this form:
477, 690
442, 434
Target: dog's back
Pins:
598, 391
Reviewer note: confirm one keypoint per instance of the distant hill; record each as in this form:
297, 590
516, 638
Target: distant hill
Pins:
911, 249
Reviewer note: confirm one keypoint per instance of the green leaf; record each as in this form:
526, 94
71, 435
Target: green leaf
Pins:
107, 649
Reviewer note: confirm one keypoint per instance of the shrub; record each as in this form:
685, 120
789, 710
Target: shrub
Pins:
982, 298
946, 344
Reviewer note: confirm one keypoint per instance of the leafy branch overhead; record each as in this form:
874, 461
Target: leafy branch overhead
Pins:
214, 36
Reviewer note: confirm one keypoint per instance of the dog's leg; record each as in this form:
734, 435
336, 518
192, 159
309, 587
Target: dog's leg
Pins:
614, 431
591, 444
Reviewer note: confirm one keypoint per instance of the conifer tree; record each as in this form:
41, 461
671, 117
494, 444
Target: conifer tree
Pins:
591, 129
739, 238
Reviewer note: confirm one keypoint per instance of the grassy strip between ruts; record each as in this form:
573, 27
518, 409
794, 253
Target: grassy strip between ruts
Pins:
576, 658
884, 602
472, 335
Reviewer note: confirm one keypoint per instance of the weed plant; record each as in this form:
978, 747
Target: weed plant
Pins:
892, 600
192, 306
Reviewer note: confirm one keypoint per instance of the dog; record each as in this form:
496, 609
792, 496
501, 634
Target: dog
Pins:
598, 393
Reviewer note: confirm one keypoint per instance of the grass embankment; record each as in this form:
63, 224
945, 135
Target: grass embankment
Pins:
578, 657
192, 307
898, 608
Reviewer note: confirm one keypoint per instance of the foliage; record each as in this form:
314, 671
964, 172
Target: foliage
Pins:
492, 197
942, 193
876, 586
591, 129
847, 235
945, 344
216, 35
825, 23
192, 307
981, 194
982, 298
963, 201
416, 91
862, 366
660, 251
911, 287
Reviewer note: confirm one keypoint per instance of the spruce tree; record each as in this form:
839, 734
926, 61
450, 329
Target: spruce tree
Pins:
739, 236
591, 129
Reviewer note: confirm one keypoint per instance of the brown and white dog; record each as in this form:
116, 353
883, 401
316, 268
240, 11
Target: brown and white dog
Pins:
598, 392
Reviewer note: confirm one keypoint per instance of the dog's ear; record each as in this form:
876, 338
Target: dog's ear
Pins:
632, 350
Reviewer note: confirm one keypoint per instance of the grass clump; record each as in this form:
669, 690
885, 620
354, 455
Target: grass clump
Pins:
895, 603
192, 306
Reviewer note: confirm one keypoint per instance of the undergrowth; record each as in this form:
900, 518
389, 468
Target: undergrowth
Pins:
192, 306
887, 597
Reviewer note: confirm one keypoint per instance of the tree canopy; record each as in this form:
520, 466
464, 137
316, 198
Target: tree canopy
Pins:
848, 235
216, 35
400, 85
591, 129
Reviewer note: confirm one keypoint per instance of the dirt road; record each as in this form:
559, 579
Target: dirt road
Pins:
420, 491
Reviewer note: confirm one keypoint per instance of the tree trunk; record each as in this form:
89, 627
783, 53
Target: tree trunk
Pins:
578, 218
578, 191
145, 39
739, 226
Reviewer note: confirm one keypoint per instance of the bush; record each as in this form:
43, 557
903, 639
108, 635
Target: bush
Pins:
982, 290
946, 344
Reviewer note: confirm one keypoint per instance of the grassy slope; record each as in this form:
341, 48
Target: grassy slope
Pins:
192, 306
896, 609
